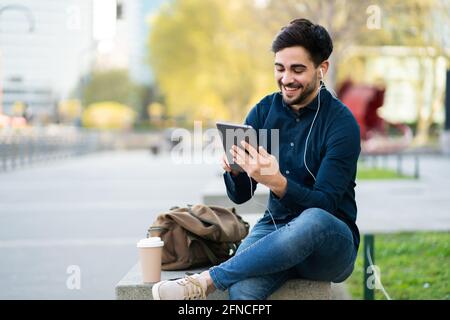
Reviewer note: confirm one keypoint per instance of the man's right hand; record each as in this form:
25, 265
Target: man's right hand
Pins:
226, 166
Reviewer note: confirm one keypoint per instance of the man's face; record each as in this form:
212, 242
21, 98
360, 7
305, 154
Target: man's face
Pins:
295, 74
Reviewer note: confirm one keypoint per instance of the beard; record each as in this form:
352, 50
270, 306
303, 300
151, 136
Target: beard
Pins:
306, 92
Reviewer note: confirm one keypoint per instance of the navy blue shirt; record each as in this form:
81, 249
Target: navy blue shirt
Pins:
332, 155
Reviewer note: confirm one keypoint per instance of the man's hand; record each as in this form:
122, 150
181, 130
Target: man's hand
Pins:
226, 166
261, 166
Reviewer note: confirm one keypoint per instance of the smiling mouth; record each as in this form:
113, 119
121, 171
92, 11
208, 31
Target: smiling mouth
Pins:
291, 89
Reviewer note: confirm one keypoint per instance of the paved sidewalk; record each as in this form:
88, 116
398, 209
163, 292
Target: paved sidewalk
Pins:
407, 205
88, 212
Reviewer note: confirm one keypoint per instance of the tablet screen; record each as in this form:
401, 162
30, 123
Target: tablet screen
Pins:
232, 134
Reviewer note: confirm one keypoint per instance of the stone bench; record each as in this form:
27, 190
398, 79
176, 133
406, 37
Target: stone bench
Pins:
131, 287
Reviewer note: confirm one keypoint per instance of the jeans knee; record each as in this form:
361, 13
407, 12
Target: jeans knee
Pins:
318, 218
315, 218
318, 212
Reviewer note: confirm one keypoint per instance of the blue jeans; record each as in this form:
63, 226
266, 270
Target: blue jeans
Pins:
314, 245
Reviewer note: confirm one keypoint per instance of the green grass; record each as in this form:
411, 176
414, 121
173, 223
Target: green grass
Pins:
413, 266
365, 173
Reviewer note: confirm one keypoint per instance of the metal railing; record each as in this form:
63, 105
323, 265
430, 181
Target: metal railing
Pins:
381, 160
30, 146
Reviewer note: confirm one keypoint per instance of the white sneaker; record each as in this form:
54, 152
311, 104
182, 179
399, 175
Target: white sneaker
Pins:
188, 288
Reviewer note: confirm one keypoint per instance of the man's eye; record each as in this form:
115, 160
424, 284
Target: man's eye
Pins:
298, 70
279, 69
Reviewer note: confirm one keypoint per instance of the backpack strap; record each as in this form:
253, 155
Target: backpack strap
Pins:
211, 256
152, 228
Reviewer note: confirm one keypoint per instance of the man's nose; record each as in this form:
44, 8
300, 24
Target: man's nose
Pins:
286, 78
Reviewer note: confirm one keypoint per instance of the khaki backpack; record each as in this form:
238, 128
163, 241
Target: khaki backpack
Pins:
198, 235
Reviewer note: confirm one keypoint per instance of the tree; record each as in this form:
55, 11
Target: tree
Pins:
207, 58
212, 58
108, 115
111, 85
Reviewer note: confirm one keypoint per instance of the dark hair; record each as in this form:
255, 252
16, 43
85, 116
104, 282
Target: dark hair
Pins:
302, 32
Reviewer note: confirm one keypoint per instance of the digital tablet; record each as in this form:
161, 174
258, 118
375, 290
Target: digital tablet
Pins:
232, 134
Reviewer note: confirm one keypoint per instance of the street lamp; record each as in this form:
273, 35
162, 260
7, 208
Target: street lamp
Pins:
25, 10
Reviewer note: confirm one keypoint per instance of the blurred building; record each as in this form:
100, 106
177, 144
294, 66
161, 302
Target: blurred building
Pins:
47, 46
44, 46
141, 12
128, 48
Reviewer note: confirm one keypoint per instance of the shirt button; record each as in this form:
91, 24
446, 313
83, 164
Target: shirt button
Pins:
298, 120
292, 144
287, 171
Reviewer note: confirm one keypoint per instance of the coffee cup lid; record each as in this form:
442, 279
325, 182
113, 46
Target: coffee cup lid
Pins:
150, 242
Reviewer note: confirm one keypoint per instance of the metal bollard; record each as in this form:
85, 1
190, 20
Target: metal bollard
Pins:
416, 166
22, 151
30, 150
3, 153
399, 164
14, 152
369, 261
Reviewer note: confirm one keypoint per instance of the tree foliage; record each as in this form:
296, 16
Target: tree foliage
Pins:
110, 85
108, 115
212, 59
209, 58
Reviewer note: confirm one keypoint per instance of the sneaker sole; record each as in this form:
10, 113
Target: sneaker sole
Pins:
155, 290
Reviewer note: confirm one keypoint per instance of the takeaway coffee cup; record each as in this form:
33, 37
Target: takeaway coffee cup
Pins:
150, 250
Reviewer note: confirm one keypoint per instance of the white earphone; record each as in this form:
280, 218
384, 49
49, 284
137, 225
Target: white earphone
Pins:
321, 74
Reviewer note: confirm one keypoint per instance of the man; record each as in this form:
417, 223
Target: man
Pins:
308, 230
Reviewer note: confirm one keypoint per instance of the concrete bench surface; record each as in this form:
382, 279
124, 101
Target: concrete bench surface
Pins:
131, 287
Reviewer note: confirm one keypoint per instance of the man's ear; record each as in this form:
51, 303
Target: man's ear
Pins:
324, 67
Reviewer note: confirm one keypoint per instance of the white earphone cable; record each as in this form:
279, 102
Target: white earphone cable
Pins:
251, 196
310, 129
304, 157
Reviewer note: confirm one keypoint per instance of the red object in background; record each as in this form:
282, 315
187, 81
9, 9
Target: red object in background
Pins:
364, 101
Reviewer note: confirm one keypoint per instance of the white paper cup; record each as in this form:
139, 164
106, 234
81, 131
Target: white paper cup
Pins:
150, 251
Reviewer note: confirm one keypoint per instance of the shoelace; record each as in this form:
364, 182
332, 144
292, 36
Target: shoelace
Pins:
192, 288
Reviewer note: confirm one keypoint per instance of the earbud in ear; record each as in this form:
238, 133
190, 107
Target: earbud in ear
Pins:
321, 74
